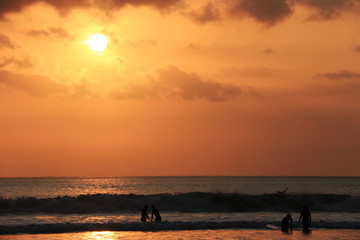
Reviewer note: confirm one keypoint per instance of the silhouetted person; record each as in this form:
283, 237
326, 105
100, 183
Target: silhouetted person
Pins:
155, 213
286, 223
283, 191
144, 214
305, 216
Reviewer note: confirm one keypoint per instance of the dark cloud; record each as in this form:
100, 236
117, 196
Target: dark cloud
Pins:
269, 51
24, 63
33, 84
159, 4
327, 9
341, 75
357, 48
174, 83
5, 42
8, 6
207, 13
268, 12
53, 32
194, 46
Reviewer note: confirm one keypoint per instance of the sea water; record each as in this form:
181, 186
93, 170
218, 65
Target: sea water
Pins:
240, 207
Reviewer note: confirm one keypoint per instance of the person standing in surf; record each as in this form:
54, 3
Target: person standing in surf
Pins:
305, 216
144, 214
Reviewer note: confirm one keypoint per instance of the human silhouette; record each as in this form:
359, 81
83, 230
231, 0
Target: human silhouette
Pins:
144, 214
283, 191
305, 216
286, 223
155, 212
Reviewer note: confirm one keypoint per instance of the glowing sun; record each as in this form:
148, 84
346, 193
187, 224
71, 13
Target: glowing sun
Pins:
97, 42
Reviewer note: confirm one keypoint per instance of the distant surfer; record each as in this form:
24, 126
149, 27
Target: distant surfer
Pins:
283, 191
286, 223
144, 214
305, 216
155, 213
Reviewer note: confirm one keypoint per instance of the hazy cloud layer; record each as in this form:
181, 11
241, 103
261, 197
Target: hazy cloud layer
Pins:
207, 13
267, 12
5, 42
174, 83
24, 63
53, 32
327, 9
341, 75
8, 6
33, 84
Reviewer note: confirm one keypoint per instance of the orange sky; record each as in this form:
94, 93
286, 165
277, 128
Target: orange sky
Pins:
207, 87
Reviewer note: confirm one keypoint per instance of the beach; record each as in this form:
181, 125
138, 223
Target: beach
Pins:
239, 208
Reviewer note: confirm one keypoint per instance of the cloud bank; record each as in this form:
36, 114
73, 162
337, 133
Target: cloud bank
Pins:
174, 83
9, 6
5, 42
341, 75
33, 84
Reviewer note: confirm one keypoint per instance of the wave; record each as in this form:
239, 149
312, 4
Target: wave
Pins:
159, 226
183, 202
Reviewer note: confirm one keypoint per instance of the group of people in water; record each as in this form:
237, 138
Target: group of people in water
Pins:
286, 223
155, 215
305, 218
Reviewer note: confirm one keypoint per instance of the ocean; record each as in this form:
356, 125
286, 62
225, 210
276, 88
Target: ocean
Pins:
191, 207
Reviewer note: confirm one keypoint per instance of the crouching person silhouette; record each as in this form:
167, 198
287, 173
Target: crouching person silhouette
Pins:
286, 223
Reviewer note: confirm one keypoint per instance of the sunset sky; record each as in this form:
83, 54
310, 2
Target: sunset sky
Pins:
184, 87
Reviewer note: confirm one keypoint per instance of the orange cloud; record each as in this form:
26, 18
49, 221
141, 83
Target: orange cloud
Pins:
267, 12
24, 63
33, 84
327, 9
5, 42
65, 5
53, 32
207, 13
174, 83
341, 75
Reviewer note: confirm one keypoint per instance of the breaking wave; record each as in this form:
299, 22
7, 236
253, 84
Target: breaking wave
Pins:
183, 202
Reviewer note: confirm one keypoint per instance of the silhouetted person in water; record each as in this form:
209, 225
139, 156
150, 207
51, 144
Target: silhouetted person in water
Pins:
286, 223
144, 214
283, 191
305, 216
155, 213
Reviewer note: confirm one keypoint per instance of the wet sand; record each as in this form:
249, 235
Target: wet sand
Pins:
231, 234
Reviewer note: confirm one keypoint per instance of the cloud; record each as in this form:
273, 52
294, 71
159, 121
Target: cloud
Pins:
269, 51
327, 9
33, 84
267, 12
5, 42
341, 75
174, 83
53, 32
159, 4
18, 5
24, 63
357, 48
207, 13
65, 5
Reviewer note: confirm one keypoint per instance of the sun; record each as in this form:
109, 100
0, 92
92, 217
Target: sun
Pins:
97, 42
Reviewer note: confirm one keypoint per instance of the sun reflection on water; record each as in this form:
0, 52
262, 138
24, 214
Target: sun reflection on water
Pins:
105, 235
